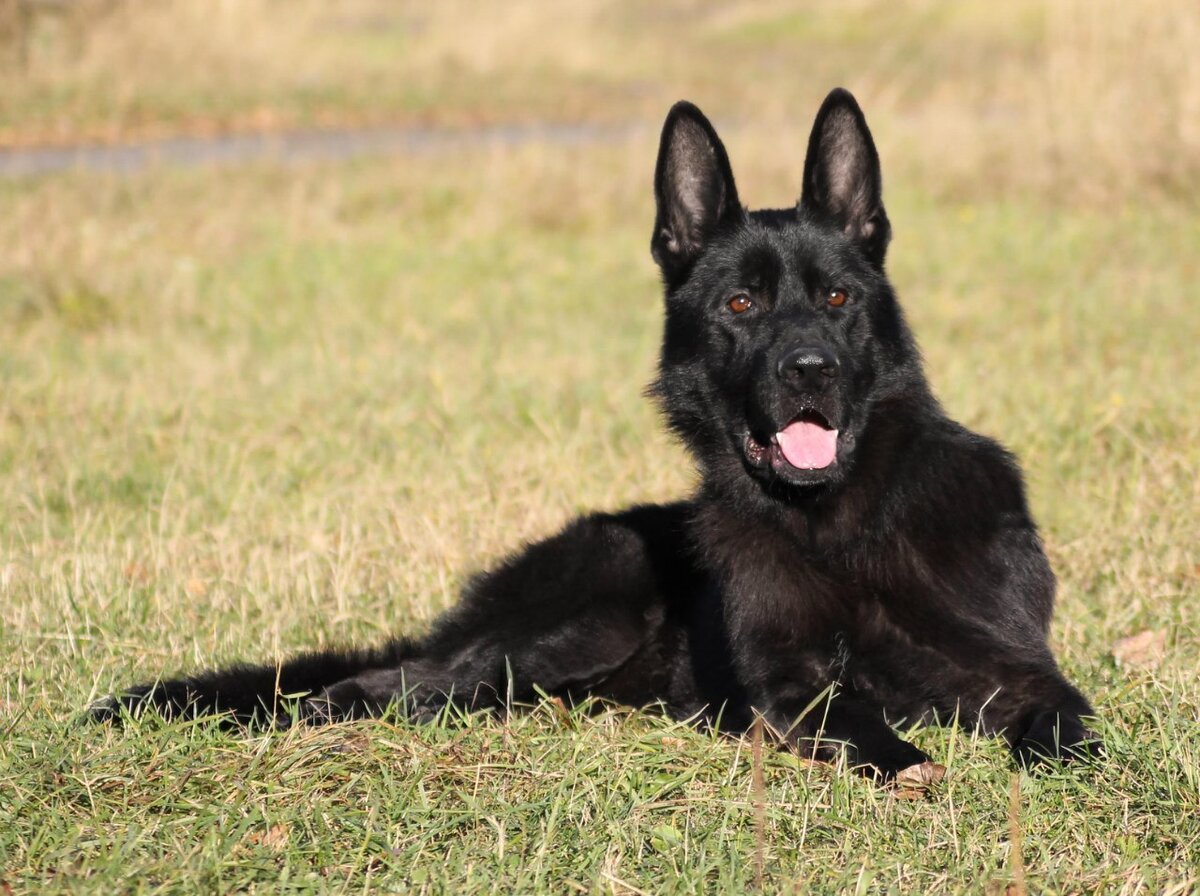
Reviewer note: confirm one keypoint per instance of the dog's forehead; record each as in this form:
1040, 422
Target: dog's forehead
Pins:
796, 246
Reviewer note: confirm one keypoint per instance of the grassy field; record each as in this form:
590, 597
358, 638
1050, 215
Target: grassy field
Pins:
245, 410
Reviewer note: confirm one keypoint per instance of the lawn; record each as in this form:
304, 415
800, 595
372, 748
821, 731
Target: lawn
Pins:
250, 409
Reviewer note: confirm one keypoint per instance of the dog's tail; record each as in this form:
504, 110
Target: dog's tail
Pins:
247, 694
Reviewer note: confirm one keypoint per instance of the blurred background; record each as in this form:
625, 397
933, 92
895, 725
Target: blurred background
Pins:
1096, 100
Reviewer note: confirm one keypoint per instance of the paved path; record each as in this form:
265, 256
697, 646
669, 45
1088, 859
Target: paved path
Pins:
299, 146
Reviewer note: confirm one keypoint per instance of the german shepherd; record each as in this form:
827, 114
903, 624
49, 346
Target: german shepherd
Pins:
852, 558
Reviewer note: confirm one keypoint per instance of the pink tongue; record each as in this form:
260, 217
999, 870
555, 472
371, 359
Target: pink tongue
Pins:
807, 446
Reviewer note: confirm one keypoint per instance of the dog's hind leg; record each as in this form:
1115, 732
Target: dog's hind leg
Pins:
248, 694
562, 617
566, 618
488, 675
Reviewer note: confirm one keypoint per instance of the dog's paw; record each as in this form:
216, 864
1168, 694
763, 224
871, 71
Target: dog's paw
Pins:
1054, 739
887, 763
1036, 756
341, 702
105, 711
113, 709
318, 711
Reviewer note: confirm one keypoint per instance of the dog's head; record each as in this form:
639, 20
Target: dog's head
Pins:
782, 333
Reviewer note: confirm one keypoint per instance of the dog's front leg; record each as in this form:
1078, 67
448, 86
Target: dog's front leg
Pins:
1042, 716
829, 723
793, 690
990, 610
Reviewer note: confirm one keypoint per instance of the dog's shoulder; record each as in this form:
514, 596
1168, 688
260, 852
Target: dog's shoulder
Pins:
959, 480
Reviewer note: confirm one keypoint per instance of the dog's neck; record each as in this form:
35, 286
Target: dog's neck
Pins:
825, 519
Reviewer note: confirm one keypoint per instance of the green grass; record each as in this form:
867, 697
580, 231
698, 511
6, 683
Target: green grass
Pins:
245, 411
248, 411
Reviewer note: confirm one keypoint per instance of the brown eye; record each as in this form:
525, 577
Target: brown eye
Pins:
739, 303
836, 297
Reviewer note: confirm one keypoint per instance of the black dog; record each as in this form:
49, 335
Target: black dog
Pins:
851, 558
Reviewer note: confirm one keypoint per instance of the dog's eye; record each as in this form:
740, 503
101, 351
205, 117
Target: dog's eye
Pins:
837, 297
739, 303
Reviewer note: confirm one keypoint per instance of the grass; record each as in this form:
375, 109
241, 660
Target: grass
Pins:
247, 410
1086, 99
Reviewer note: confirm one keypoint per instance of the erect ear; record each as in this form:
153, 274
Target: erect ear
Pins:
694, 191
842, 182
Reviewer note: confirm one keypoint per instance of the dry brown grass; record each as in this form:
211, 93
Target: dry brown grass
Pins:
1122, 103
1084, 101
250, 409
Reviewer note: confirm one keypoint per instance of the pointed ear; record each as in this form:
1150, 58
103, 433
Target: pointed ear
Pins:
842, 182
693, 189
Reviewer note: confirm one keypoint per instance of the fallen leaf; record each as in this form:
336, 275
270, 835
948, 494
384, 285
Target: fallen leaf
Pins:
914, 782
924, 774
1141, 651
135, 573
274, 838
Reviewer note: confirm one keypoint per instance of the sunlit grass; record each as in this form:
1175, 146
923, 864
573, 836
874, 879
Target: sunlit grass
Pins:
248, 411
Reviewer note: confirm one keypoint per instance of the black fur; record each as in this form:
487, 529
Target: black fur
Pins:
899, 578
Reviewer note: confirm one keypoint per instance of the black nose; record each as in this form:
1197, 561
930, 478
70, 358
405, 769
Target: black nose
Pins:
808, 367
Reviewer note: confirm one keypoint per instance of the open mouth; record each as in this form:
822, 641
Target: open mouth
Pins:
808, 442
